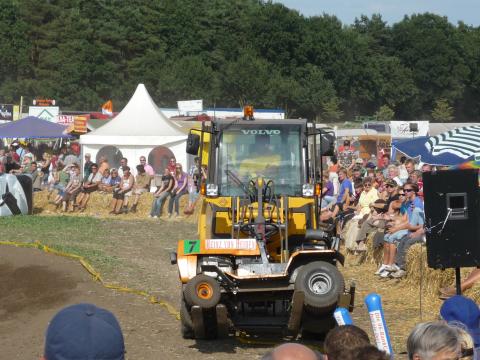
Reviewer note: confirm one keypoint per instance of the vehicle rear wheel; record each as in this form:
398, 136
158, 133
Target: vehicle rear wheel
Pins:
322, 285
186, 324
202, 290
317, 327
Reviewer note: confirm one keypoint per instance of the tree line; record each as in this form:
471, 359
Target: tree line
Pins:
234, 52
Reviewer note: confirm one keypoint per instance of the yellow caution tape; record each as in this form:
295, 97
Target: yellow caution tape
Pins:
96, 275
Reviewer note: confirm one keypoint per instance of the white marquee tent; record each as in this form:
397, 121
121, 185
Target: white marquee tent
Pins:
140, 129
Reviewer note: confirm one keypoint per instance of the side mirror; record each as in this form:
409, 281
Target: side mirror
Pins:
328, 144
193, 144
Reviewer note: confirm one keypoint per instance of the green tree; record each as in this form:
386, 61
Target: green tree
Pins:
442, 111
426, 43
331, 110
385, 113
245, 80
315, 89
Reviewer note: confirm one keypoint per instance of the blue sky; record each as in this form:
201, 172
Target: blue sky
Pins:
392, 11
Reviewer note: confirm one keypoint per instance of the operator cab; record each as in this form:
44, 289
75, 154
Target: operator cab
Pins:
266, 149
285, 152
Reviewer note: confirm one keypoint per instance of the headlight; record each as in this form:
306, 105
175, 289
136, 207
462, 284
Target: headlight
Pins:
308, 190
212, 190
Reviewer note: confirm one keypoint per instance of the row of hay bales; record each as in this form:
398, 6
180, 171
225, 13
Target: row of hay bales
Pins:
419, 274
99, 206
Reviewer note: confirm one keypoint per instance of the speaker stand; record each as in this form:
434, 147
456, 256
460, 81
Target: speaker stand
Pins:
458, 281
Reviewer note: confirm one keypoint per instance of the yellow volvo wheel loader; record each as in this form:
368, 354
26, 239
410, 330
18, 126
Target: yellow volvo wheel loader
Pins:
262, 262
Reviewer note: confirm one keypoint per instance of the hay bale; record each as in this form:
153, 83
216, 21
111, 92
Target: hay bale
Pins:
99, 206
418, 271
374, 255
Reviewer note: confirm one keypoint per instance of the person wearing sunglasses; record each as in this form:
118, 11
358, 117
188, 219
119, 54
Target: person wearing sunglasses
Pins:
148, 168
367, 197
178, 191
415, 226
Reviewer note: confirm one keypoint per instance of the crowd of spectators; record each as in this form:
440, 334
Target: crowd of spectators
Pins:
376, 199
70, 188
84, 331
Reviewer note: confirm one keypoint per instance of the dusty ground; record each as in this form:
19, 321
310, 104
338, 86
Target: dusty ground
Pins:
34, 285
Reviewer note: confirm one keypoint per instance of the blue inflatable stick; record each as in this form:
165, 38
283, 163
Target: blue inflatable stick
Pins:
342, 316
380, 330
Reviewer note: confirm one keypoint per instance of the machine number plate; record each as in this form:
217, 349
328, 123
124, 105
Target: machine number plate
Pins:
231, 244
191, 246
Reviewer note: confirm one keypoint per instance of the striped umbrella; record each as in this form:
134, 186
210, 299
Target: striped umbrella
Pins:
457, 147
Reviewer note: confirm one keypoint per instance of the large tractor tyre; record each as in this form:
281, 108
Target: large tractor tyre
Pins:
322, 285
202, 290
186, 324
317, 327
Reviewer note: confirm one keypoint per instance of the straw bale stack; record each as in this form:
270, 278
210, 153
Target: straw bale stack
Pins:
99, 206
418, 271
374, 255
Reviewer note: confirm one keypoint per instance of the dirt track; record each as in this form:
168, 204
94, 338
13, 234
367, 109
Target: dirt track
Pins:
35, 285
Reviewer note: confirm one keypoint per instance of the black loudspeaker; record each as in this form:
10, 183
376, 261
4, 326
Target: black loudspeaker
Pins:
452, 213
27, 185
413, 127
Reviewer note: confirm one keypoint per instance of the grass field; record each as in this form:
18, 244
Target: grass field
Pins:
123, 251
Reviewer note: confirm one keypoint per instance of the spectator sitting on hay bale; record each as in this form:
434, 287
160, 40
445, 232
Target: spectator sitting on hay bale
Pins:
343, 199
105, 182
413, 225
164, 191
141, 186
111, 182
37, 176
394, 219
375, 222
72, 189
89, 186
121, 192
60, 181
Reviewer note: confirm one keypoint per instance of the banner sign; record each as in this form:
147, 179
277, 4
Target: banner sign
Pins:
65, 119
6, 112
184, 107
49, 113
408, 129
78, 125
44, 102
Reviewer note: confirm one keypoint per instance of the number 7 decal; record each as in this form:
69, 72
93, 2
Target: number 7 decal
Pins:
191, 246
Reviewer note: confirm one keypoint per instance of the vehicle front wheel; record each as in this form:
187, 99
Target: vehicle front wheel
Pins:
322, 285
202, 290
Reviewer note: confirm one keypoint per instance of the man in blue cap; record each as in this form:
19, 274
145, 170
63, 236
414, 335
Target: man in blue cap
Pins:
84, 331
464, 310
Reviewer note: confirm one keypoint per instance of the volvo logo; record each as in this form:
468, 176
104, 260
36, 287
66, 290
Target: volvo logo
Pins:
261, 132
